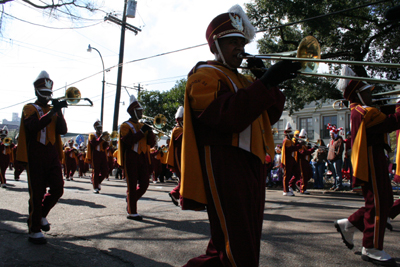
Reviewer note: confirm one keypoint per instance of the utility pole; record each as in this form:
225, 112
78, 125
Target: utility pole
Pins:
124, 25
120, 64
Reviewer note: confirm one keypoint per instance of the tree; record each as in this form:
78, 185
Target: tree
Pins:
55, 8
359, 35
165, 103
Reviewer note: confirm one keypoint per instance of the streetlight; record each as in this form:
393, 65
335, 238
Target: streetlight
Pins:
102, 93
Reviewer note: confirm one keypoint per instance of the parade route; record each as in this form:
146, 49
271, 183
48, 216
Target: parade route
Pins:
92, 230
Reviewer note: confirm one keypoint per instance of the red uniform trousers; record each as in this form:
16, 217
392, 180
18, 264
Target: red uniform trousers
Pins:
235, 189
136, 167
18, 167
4, 162
100, 167
395, 209
70, 164
82, 167
378, 195
175, 192
306, 174
44, 170
289, 170
156, 163
110, 165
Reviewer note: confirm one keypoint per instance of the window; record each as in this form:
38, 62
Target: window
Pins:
328, 119
277, 130
307, 124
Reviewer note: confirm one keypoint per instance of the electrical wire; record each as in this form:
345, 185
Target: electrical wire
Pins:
55, 28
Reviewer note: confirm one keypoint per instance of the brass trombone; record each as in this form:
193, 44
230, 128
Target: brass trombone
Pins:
309, 53
72, 96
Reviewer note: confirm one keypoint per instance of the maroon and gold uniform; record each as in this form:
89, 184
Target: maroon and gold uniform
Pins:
303, 159
71, 161
6, 156
96, 156
83, 166
110, 159
174, 157
18, 167
289, 164
40, 147
134, 157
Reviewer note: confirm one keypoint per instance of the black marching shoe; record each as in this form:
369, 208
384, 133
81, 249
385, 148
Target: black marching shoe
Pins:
45, 225
174, 200
135, 217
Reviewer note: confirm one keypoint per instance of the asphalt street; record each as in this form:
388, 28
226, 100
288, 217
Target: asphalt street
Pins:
92, 230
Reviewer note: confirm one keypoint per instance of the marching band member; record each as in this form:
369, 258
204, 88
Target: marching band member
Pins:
110, 159
370, 170
71, 160
96, 156
291, 169
83, 166
6, 155
40, 147
18, 167
303, 159
226, 136
155, 168
165, 172
174, 154
134, 157
335, 156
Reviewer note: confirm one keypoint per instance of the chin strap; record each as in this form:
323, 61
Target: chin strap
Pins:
359, 97
136, 115
222, 56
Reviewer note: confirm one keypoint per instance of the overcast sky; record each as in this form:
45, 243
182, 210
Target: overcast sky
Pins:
27, 49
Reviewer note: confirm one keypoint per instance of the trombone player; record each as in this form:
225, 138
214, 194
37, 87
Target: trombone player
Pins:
370, 170
135, 140
40, 148
227, 114
6, 154
97, 157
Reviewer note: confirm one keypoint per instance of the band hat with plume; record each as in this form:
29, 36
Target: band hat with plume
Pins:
303, 133
97, 123
179, 113
134, 104
351, 88
43, 82
288, 128
234, 23
4, 131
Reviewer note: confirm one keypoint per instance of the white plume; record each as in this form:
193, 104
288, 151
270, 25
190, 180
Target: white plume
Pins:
249, 30
179, 113
342, 84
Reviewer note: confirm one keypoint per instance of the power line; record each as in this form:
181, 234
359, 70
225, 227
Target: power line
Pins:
69, 28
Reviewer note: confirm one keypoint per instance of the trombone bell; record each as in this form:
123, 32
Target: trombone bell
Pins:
72, 95
309, 48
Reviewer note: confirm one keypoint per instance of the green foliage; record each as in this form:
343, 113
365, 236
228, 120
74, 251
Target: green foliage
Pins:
166, 103
358, 35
